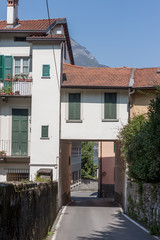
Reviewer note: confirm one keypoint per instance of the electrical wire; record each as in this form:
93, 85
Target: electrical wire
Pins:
49, 20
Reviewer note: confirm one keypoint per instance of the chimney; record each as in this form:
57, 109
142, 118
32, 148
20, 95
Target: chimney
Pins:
12, 13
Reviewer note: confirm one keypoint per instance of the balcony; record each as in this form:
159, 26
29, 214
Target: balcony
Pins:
16, 87
17, 150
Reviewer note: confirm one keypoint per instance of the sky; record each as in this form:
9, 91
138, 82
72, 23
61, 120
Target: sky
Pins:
117, 32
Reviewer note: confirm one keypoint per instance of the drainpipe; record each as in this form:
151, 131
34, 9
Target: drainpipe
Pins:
100, 172
129, 94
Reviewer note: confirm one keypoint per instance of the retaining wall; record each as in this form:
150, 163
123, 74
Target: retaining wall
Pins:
27, 210
143, 204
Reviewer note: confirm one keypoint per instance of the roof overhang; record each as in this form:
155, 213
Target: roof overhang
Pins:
95, 87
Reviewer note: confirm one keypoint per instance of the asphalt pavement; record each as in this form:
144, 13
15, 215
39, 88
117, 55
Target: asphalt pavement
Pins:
88, 217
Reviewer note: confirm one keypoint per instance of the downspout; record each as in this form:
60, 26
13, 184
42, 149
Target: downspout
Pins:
59, 160
100, 172
131, 82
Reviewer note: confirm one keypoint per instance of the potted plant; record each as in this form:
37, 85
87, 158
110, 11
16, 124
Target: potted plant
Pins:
2, 153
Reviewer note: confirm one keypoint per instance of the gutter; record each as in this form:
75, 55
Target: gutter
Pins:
94, 87
30, 39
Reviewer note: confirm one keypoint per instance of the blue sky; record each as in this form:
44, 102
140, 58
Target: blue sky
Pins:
117, 32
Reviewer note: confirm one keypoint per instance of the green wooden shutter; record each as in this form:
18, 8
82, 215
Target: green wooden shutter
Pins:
19, 132
74, 106
44, 132
110, 105
7, 66
46, 71
1, 67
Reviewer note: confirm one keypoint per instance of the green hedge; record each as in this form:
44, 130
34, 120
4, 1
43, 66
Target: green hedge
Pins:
140, 140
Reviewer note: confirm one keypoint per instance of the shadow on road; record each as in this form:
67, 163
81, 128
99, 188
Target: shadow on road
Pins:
90, 199
121, 230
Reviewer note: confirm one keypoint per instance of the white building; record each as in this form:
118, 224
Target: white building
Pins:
43, 107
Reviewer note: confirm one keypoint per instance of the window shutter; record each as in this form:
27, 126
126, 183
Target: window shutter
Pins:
46, 71
44, 132
7, 66
1, 67
74, 106
110, 106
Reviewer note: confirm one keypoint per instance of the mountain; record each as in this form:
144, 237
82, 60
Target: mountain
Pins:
83, 57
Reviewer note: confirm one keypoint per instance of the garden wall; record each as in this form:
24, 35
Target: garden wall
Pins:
143, 204
27, 210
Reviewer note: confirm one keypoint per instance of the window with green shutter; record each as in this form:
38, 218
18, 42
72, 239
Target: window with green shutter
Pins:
110, 106
46, 71
7, 66
44, 131
1, 67
74, 106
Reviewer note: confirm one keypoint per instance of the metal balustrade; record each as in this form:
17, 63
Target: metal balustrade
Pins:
6, 149
16, 88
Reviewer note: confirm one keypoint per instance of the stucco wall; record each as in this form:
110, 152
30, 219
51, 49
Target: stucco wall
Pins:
64, 173
120, 190
92, 126
45, 109
27, 210
139, 102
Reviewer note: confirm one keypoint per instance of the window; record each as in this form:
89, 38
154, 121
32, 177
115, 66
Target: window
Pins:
5, 66
110, 106
46, 71
21, 66
74, 106
44, 131
20, 39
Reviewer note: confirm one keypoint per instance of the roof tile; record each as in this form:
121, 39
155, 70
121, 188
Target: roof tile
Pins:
77, 76
41, 24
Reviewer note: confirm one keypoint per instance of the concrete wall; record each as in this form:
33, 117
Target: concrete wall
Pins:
92, 115
27, 210
143, 204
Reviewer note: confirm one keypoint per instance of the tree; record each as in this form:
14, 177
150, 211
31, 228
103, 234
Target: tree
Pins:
88, 166
140, 140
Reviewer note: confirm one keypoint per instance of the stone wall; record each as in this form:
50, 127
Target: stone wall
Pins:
86, 185
27, 210
143, 204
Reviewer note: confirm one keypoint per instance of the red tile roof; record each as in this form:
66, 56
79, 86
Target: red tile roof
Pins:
75, 76
146, 77
31, 25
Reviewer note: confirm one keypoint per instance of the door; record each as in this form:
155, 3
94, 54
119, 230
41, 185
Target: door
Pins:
19, 132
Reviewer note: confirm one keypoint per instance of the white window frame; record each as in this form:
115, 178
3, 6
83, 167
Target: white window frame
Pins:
21, 65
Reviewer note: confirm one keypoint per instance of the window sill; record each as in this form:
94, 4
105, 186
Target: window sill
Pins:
44, 138
74, 121
110, 120
45, 77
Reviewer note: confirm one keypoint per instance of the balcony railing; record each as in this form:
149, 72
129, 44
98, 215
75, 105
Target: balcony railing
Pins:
7, 149
18, 87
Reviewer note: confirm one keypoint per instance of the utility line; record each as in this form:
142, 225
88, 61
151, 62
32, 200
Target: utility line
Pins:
49, 20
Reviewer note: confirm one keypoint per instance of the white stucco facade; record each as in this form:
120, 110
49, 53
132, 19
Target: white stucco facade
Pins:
45, 109
92, 125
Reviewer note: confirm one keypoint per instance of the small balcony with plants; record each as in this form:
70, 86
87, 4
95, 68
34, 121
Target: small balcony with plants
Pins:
18, 85
11, 149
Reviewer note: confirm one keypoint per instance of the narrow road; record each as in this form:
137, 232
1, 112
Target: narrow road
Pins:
88, 217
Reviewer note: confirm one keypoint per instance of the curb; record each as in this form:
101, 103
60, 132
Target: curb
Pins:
137, 224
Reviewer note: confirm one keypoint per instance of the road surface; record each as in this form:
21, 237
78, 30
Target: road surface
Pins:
88, 217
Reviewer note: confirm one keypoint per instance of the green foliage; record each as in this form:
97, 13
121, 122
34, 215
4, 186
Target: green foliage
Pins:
140, 140
88, 166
